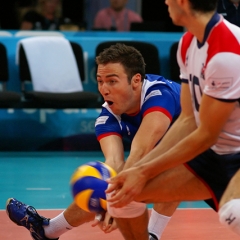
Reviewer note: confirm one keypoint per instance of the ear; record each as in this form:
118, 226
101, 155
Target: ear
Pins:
182, 2
136, 80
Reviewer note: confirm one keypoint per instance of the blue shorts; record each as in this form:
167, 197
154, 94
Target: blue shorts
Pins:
215, 171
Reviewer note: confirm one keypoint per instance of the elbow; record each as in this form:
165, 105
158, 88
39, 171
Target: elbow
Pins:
208, 139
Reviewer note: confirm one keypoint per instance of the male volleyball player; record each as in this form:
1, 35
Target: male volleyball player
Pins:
201, 152
137, 107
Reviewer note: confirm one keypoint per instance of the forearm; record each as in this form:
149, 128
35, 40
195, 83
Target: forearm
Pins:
113, 152
179, 130
116, 161
152, 129
185, 150
134, 157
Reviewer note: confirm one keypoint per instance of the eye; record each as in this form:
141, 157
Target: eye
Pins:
112, 82
100, 82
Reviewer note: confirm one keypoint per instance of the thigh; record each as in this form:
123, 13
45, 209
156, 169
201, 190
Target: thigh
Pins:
176, 184
233, 189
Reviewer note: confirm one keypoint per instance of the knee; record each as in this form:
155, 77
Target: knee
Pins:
229, 215
132, 210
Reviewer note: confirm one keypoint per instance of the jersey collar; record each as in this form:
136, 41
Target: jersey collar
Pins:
213, 21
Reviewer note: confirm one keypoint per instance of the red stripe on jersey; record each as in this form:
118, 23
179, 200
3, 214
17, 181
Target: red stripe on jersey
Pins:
186, 40
158, 109
222, 40
101, 136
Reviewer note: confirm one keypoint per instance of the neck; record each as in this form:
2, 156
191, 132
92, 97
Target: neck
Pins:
117, 9
198, 23
135, 101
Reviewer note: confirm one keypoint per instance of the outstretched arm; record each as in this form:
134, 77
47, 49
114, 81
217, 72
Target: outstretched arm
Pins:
176, 147
153, 127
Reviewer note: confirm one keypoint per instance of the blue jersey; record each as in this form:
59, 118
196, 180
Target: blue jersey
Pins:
158, 94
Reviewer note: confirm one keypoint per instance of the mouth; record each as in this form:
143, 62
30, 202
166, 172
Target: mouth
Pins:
109, 103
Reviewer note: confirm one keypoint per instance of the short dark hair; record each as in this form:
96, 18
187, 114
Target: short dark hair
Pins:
130, 58
204, 5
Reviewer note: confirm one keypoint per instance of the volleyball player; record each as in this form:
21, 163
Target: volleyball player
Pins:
139, 108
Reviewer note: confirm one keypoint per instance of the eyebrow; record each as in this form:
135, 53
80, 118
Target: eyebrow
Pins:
109, 75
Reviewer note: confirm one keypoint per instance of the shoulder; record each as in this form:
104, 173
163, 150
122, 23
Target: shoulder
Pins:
184, 44
158, 85
32, 15
225, 38
134, 16
102, 12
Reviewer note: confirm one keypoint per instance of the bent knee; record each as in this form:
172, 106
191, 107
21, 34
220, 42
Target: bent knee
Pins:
131, 210
229, 215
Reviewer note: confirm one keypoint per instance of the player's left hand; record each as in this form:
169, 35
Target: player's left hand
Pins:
123, 188
105, 222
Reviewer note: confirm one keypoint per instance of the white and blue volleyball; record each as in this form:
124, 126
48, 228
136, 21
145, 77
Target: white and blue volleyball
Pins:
88, 185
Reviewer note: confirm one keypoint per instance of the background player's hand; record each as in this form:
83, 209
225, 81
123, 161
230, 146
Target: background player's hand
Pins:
105, 222
125, 186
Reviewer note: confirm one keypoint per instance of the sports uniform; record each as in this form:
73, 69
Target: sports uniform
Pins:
158, 94
207, 68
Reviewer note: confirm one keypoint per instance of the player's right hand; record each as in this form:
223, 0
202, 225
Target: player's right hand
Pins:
105, 222
125, 186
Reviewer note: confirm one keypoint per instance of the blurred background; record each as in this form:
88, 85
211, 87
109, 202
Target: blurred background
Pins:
26, 127
82, 12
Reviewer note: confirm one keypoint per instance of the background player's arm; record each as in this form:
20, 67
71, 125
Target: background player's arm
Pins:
154, 125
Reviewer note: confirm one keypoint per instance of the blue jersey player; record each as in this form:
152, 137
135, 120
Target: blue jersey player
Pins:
157, 95
139, 108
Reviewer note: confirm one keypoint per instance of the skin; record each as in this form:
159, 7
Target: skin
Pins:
232, 191
235, 2
160, 175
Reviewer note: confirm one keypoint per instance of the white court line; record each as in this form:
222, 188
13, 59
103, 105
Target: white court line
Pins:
38, 189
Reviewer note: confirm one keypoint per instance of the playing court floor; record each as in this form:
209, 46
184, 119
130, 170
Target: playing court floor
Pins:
41, 179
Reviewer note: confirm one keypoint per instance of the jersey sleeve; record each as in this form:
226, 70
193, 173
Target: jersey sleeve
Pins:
183, 46
160, 99
107, 124
222, 77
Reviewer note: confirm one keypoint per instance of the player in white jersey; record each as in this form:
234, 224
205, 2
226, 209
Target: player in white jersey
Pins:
138, 107
199, 155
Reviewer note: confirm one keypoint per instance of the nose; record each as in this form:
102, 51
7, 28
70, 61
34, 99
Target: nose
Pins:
104, 90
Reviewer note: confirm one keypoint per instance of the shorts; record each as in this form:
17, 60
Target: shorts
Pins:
215, 171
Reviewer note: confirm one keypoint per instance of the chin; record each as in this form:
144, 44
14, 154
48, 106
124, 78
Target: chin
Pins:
117, 111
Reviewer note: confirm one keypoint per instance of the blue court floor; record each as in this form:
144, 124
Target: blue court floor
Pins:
41, 179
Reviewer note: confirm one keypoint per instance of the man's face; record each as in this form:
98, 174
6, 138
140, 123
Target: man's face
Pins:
114, 87
118, 5
235, 1
175, 12
50, 6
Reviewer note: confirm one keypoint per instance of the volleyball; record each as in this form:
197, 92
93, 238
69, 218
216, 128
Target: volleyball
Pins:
88, 185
